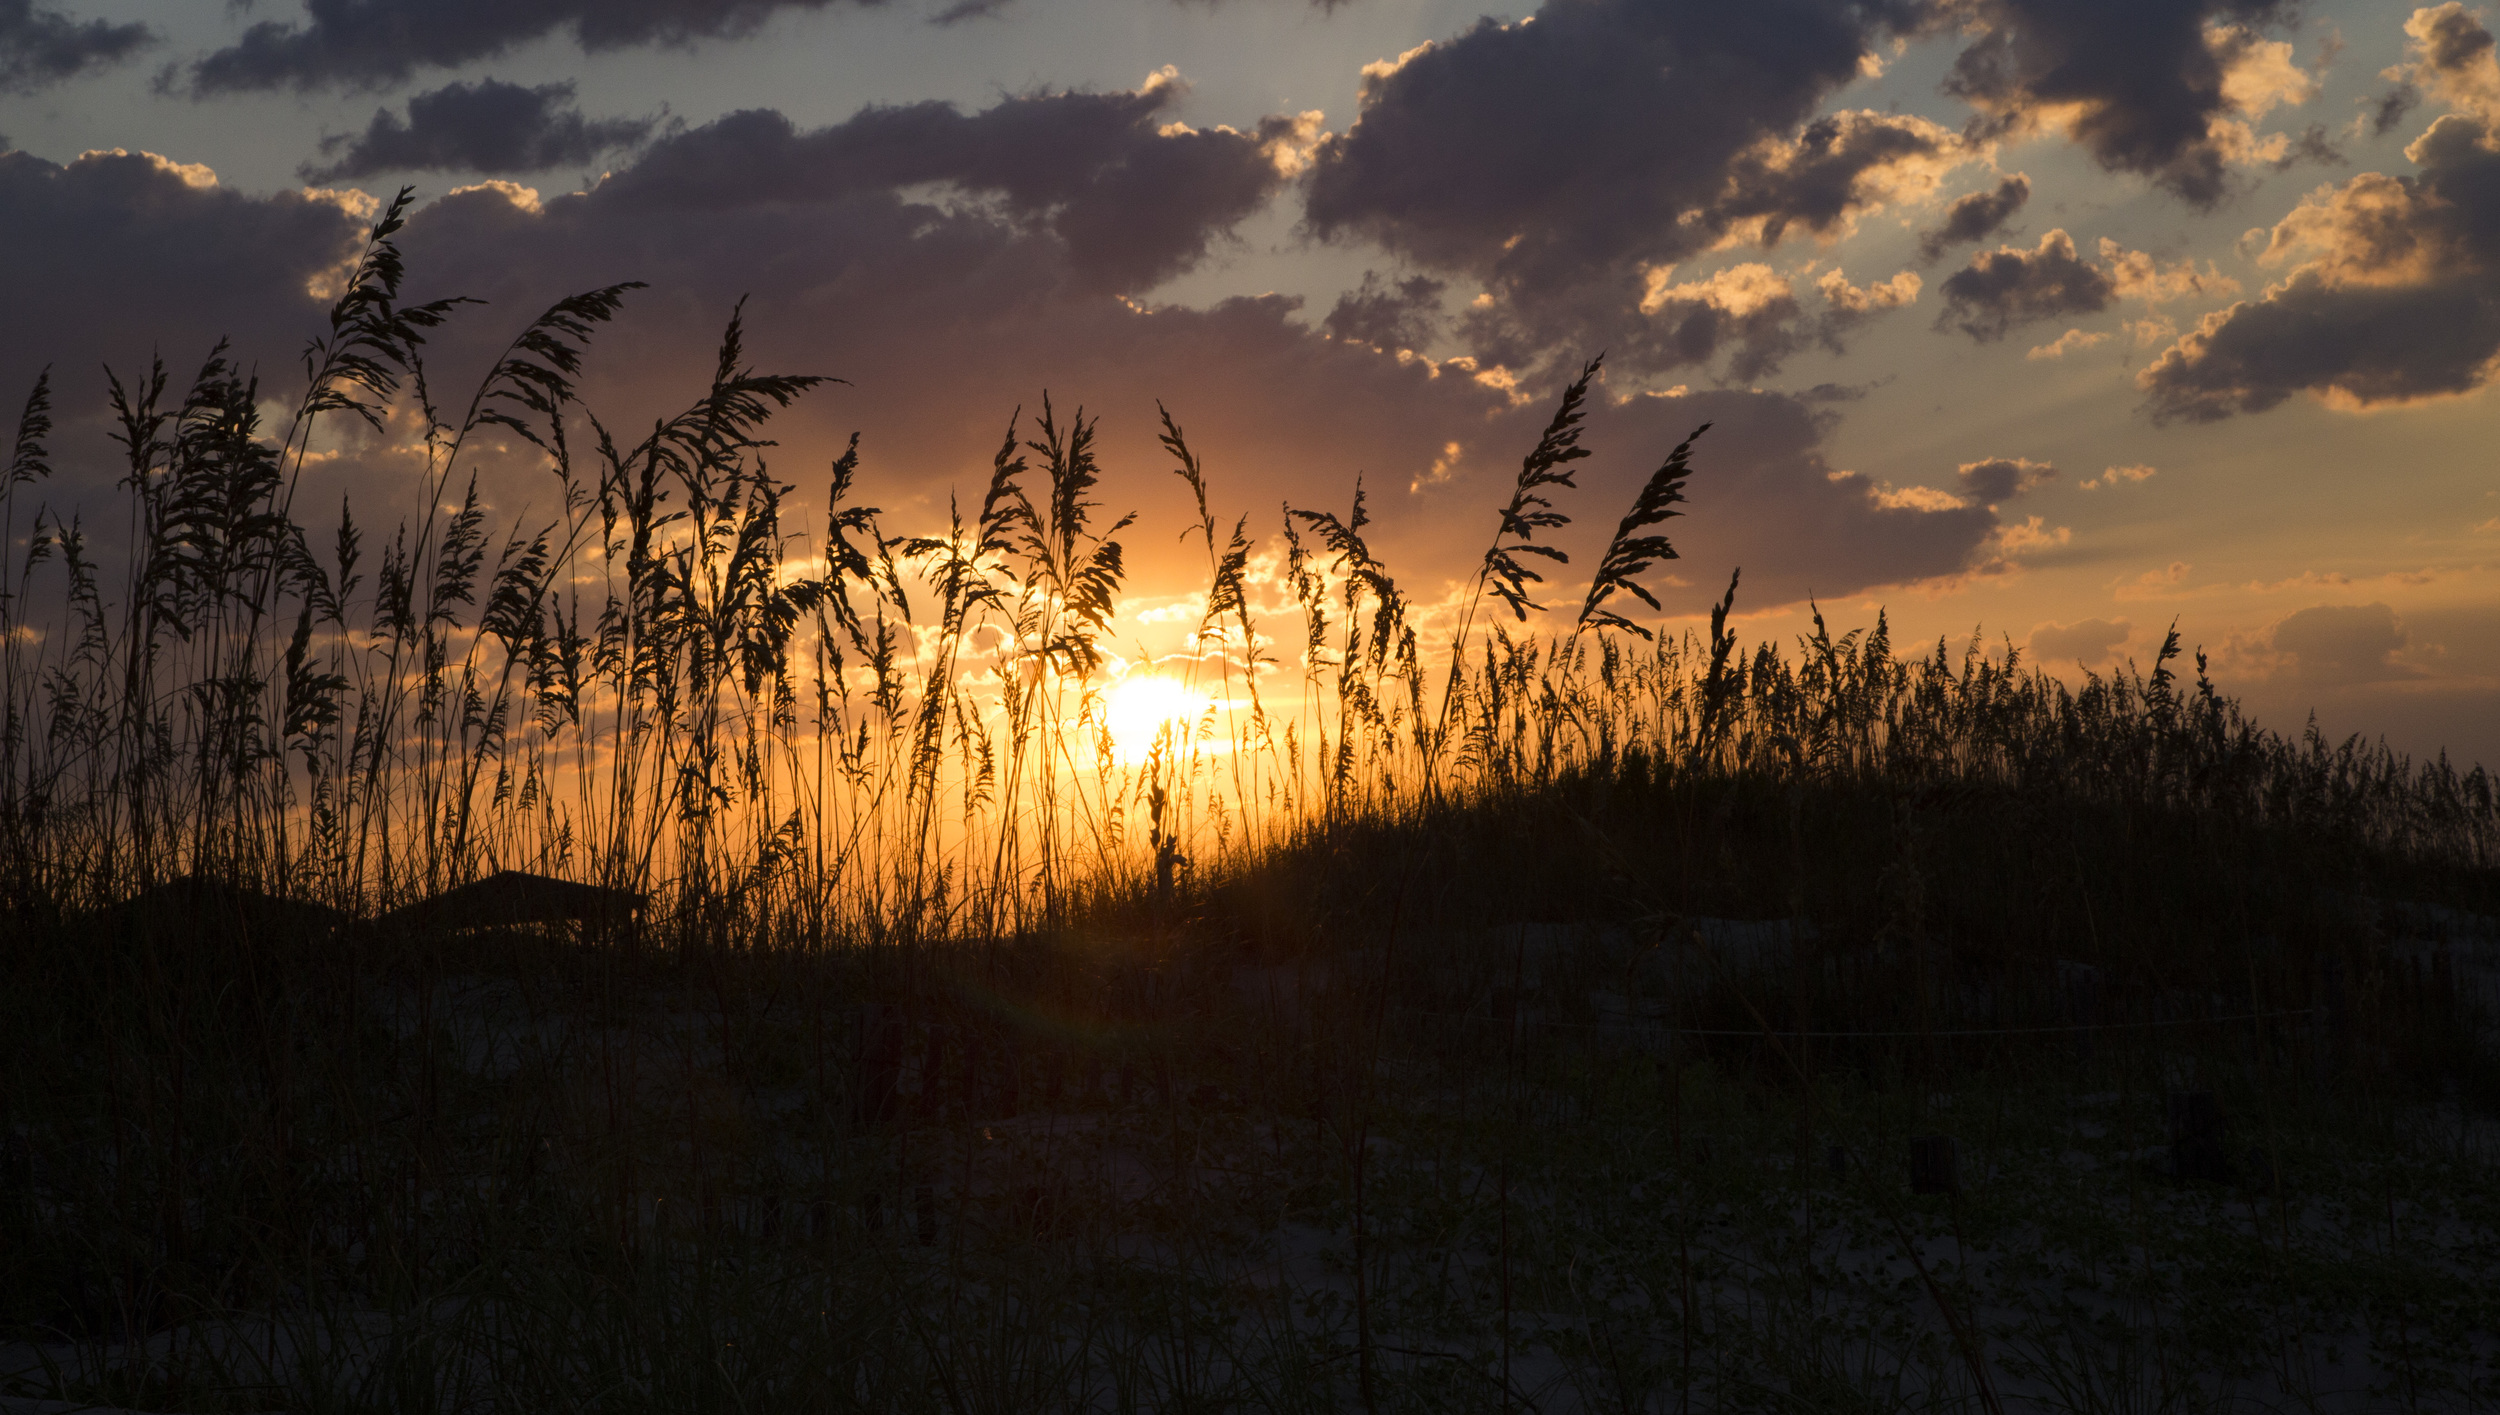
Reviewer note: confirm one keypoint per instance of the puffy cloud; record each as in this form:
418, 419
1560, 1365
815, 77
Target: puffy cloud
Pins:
1765, 497
1994, 480
2065, 344
2394, 297
946, 313
2137, 275
39, 48
1841, 166
1502, 155
2145, 86
1747, 309
1975, 216
2451, 56
2258, 75
2002, 290
487, 126
2391, 108
2122, 476
1135, 198
118, 254
2009, 286
2087, 641
1402, 316
1845, 298
2339, 644
370, 43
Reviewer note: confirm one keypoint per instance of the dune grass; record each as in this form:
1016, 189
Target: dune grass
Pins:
1462, 1014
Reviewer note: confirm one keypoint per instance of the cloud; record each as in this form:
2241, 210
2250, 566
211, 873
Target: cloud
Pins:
1841, 166
2169, 582
117, 254
2453, 57
487, 126
2002, 289
1767, 499
1502, 155
372, 43
2087, 641
2065, 344
40, 48
2389, 110
1845, 298
1993, 480
946, 306
1406, 315
1135, 198
1974, 217
2113, 477
2137, 275
2258, 74
2336, 645
2394, 291
2144, 86
1747, 309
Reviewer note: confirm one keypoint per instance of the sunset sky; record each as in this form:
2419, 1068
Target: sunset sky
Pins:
2057, 319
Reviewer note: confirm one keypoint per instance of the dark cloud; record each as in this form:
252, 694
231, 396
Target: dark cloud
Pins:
1835, 392
2008, 287
1745, 315
2087, 641
2396, 296
2449, 39
2313, 145
487, 126
1135, 198
2337, 644
1832, 170
2137, 83
1503, 155
1747, 318
1994, 480
945, 315
118, 255
1974, 217
1402, 316
2454, 59
2392, 107
1765, 497
370, 43
963, 10
39, 48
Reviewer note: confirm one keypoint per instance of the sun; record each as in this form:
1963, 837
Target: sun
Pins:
1137, 708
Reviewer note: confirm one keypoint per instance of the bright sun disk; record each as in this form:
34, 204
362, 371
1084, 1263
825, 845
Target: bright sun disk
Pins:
1138, 707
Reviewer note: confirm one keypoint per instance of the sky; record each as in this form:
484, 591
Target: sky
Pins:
2056, 321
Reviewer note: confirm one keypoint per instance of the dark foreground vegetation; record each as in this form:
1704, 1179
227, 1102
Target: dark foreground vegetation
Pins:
1572, 1022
